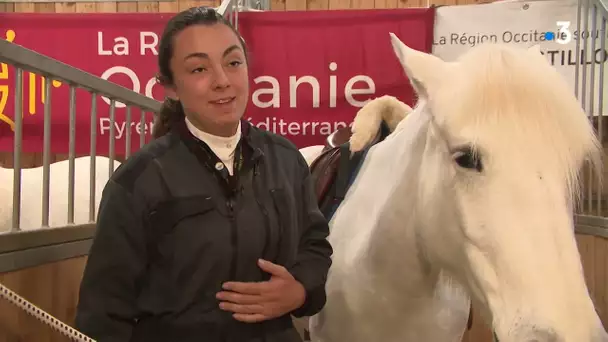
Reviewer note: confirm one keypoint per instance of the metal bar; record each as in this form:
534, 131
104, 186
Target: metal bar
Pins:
28, 239
32, 61
142, 128
128, 129
223, 7
18, 138
17, 260
583, 61
591, 95
589, 220
591, 230
112, 139
603, 7
46, 152
72, 154
577, 49
236, 14
600, 105
93, 153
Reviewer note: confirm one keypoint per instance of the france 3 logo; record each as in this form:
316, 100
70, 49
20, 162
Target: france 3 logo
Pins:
563, 35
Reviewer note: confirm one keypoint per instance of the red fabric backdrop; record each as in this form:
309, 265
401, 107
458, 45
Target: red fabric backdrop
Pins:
345, 55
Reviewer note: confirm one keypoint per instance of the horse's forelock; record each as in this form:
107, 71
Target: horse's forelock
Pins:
514, 101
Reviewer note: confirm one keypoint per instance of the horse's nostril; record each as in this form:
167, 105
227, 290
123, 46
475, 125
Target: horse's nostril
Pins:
544, 336
534, 334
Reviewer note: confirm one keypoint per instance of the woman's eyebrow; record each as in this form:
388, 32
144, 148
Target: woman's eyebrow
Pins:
206, 56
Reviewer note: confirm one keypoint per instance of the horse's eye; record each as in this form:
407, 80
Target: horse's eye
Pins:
469, 159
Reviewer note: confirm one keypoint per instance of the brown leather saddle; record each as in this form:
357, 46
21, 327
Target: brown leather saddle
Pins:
332, 171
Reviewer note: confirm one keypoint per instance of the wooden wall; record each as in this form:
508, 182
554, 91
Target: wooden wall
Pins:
51, 287
54, 288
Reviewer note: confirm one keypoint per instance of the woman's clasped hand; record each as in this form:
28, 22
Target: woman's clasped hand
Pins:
260, 301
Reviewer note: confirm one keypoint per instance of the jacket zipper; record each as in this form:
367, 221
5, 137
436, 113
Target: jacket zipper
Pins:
281, 225
256, 172
233, 237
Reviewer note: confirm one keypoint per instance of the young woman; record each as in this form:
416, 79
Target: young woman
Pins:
211, 232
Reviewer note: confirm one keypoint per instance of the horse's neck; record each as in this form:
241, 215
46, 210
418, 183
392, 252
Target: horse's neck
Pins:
395, 247
395, 241
385, 237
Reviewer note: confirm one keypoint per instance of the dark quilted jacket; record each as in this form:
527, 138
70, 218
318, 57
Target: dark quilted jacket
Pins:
172, 229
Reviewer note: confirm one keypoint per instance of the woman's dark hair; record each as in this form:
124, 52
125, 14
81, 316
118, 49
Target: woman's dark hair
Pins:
172, 111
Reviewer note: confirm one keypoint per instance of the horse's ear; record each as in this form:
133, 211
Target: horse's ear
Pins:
422, 69
535, 48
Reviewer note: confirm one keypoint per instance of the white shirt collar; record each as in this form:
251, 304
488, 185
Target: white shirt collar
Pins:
223, 147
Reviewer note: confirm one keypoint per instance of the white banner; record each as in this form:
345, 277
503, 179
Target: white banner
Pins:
458, 28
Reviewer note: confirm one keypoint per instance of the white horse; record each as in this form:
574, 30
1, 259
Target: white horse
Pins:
470, 196
31, 193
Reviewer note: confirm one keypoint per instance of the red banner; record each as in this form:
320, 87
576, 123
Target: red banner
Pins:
310, 71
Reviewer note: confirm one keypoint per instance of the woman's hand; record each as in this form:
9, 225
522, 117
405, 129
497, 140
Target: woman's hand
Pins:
260, 301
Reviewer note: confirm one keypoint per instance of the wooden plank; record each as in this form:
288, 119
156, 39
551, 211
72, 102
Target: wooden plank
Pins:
24, 7
386, 3
7, 8
65, 7
168, 7
86, 7
106, 7
440, 2
600, 249
277, 5
186, 4
412, 3
313, 5
363, 4
44, 7
59, 298
126, 7
296, 5
148, 7
339, 4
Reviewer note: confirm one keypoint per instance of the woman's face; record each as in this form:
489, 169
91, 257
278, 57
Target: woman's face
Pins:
210, 77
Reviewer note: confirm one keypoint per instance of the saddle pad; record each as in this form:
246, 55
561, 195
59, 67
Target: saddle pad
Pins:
335, 170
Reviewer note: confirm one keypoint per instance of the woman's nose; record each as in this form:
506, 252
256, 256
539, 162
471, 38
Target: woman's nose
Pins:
221, 79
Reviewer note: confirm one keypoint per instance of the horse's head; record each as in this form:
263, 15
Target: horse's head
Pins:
505, 145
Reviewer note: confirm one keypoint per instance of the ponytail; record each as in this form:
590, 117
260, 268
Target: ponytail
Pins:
171, 113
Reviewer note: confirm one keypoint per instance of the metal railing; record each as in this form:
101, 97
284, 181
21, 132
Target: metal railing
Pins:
589, 84
231, 8
25, 60
21, 60
19, 248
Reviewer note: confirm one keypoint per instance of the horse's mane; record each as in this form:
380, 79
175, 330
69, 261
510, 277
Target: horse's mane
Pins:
519, 105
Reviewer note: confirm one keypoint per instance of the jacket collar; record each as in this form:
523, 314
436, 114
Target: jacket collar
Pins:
250, 136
